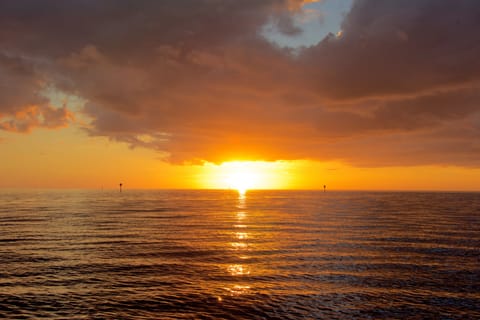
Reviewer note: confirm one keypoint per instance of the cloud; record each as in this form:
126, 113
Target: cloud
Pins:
34, 116
22, 106
394, 48
286, 25
19, 84
196, 81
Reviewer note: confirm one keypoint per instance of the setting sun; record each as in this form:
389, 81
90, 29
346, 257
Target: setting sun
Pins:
246, 175
242, 180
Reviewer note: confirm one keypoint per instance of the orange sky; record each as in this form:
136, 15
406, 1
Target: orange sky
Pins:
310, 92
68, 158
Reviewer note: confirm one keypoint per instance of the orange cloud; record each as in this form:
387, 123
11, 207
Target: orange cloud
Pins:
32, 117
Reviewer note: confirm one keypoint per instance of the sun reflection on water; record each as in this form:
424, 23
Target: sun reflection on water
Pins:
238, 289
242, 197
238, 270
241, 235
242, 193
240, 243
241, 215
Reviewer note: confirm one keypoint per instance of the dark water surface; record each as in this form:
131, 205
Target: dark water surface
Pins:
215, 255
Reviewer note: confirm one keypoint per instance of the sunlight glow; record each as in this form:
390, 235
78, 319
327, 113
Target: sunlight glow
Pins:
246, 175
242, 179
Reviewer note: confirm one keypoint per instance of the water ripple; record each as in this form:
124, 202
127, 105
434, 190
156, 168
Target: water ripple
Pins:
213, 255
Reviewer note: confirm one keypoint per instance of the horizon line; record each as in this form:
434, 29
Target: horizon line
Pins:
235, 190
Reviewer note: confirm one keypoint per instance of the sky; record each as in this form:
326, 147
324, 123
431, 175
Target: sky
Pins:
353, 94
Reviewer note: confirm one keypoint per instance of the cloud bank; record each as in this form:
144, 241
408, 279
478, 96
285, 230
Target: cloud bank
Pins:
196, 80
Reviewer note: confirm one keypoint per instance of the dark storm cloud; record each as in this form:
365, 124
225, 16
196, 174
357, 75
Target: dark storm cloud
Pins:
196, 81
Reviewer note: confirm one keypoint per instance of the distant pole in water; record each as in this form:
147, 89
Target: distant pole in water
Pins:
324, 188
121, 184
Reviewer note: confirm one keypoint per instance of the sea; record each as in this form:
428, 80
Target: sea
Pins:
171, 254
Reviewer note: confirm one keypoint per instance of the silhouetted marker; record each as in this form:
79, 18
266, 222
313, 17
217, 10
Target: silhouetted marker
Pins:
121, 184
324, 188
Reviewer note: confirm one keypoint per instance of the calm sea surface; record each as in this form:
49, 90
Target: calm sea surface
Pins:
218, 255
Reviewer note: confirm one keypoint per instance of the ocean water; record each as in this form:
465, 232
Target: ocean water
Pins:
221, 255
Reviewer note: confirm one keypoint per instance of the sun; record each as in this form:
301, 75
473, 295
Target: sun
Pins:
245, 175
242, 179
